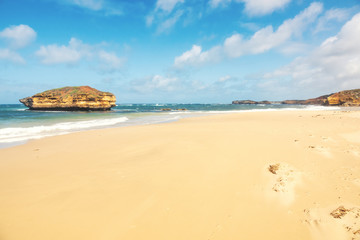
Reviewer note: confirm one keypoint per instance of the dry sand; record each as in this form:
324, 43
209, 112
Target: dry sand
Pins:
269, 175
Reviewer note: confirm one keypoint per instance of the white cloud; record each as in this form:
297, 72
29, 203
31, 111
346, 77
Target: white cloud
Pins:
164, 83
337, 14
149, 20
169, 23
334, 65
8, 55
196, 57
254, 7
217, 3
90, 4
54, 54
58, 54
110, 61
263, 7
224, 78
291, 48
250, 26
164, 16
107, 7
18, 36
167, 5
156, 82
266, 38
262, 40
76, 51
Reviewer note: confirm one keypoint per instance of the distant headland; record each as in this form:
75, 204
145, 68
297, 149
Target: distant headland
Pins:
83, 98
345, 98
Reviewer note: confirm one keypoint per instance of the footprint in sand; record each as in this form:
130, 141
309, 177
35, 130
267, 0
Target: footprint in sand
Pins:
356, 181
284, 177
341, 223
353, 150
325, 151
327, 139
284, 180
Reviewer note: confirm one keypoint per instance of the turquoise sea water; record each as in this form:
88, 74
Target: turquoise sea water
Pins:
17, 124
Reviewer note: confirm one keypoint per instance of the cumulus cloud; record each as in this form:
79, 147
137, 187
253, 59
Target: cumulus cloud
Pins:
110, 61
76, 51
254, 7
266, 38
196, 57
156, 82
334, 65
263, 7
8, 55
292, 48
18, 36
70, 54
263, 40
336, 14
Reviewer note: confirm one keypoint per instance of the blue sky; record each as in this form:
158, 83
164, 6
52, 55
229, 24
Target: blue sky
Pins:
180, 51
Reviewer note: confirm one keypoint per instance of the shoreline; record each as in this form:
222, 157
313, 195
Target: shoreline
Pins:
197, 178
25, 134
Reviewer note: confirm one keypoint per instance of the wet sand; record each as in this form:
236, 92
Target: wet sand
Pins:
260, 175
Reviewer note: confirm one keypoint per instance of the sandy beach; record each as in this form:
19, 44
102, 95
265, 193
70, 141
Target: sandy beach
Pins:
255, 175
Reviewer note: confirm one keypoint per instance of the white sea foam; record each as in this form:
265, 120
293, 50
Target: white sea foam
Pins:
16, 134
307, 108
183, 112
316, 108
20, 134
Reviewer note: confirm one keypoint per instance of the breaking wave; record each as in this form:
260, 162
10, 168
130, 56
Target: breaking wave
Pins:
16, 134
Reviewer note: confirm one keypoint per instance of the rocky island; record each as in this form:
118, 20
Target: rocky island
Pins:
345, 98
83, 98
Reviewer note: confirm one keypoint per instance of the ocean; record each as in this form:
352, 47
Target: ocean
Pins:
18, 124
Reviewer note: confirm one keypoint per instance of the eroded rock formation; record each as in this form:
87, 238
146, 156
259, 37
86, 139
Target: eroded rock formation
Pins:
322, 100
82, 98
343, 98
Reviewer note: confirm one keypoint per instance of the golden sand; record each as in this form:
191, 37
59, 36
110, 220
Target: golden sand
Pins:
263, 175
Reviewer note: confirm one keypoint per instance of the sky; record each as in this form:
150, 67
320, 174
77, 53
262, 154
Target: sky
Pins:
180, 51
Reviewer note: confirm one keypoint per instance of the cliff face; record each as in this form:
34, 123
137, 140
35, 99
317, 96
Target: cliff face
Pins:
322, 100
82, 98
343, 98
